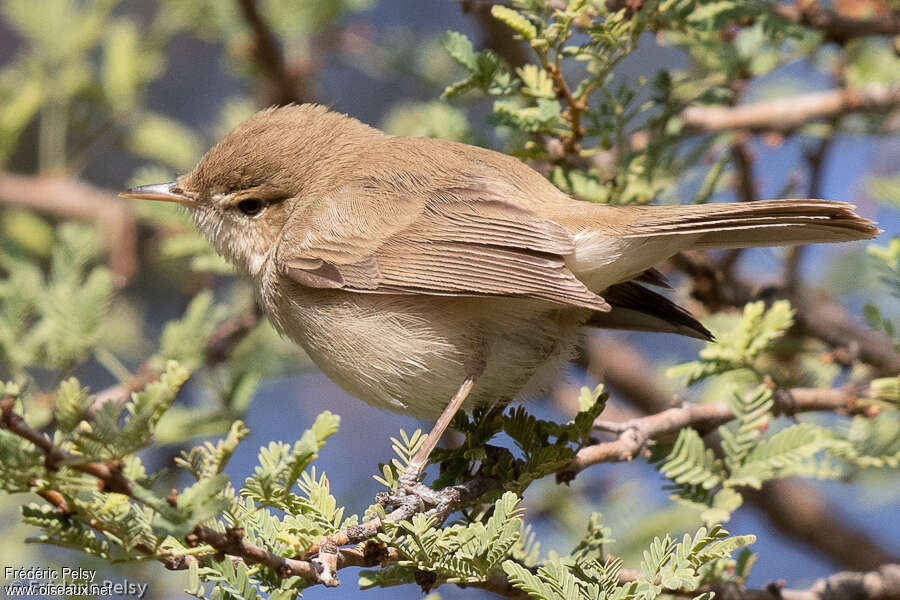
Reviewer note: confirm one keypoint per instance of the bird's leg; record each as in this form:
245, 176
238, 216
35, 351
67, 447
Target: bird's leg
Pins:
410, 475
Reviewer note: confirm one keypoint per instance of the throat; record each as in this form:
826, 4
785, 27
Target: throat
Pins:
255, 265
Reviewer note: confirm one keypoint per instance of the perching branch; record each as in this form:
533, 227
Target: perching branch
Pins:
327, 557
110, 479
232, 543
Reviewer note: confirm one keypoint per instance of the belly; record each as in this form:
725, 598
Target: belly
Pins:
410, 353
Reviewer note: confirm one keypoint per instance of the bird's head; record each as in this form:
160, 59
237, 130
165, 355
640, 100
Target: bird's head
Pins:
245, 188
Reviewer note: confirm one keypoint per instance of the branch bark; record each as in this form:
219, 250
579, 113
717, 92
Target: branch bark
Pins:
287, 83
786, 114
634, 435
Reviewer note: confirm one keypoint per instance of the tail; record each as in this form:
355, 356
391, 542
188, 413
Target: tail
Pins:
614, 249
747, 224
636, 308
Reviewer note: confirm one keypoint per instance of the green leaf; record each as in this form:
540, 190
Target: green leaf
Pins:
72, 404
280, 465
184, 340
210, 459
739, 347
515, 21
537, 82
460, 48
690, 462
200, 502
162, 139
778, 455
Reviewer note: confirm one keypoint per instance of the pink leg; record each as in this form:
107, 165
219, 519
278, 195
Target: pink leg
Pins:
410, 475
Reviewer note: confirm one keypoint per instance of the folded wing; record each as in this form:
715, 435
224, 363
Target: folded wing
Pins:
458, 242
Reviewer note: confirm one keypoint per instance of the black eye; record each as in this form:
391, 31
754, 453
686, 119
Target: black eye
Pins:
251, 206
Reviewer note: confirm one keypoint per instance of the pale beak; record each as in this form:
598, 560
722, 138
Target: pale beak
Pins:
164, 192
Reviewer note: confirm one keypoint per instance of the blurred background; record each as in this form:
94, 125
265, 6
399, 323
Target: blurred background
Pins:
99, 95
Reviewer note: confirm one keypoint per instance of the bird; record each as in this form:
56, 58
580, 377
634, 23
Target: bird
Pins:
426, 276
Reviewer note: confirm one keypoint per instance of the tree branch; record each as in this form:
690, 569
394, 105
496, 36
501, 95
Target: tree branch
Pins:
787, 114
327, 558
634, 435
108, 474
287, 83
68, 198
815, 317
232, 543
624, 369
835, 27
222, 342
879, 584
797, 509
831, 324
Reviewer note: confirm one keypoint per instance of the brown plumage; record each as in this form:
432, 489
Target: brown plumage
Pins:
405, 265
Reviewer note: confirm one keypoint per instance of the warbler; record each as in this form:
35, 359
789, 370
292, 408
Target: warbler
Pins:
424, 275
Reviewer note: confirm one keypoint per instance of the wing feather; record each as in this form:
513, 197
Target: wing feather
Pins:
442, 242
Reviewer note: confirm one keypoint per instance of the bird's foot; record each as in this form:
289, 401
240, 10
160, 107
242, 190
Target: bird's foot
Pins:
409, 478
412, 496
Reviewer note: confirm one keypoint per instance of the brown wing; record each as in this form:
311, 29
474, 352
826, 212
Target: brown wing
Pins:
379, 238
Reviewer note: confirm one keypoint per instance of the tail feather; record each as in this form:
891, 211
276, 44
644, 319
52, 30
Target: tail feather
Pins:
636, 308
617, 244
765, 223
653, 276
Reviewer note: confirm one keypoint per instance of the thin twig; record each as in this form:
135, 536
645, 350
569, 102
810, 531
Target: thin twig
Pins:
815, 159
574, 106
222, 342
635, 434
